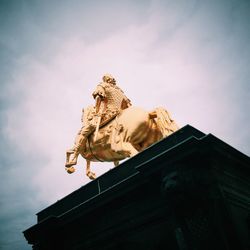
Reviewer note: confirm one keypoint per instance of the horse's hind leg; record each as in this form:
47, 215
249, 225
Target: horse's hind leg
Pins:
90, 174
128, 147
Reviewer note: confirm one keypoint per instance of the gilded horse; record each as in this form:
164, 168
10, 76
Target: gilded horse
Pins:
127, 134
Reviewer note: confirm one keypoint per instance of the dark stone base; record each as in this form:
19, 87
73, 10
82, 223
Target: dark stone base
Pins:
188, 191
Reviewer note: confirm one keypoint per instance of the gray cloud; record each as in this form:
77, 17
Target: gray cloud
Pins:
191, 57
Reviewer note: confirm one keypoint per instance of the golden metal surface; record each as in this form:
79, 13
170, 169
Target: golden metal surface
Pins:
114, 130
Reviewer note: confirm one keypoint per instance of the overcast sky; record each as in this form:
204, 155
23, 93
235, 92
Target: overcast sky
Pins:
191, 57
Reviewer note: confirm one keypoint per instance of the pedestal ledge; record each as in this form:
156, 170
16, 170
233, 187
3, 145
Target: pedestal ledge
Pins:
187, 191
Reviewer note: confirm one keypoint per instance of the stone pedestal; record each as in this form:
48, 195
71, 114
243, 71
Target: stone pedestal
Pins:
189, 191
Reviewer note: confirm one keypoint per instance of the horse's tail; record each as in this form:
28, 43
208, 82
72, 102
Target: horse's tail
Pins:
164, 121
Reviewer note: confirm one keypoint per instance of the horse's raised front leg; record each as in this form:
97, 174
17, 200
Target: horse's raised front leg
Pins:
69, 168
90, 174
116, 163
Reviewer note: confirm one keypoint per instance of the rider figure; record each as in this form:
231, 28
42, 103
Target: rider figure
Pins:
109, 101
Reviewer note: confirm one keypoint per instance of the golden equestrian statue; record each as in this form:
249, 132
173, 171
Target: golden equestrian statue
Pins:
113, 129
